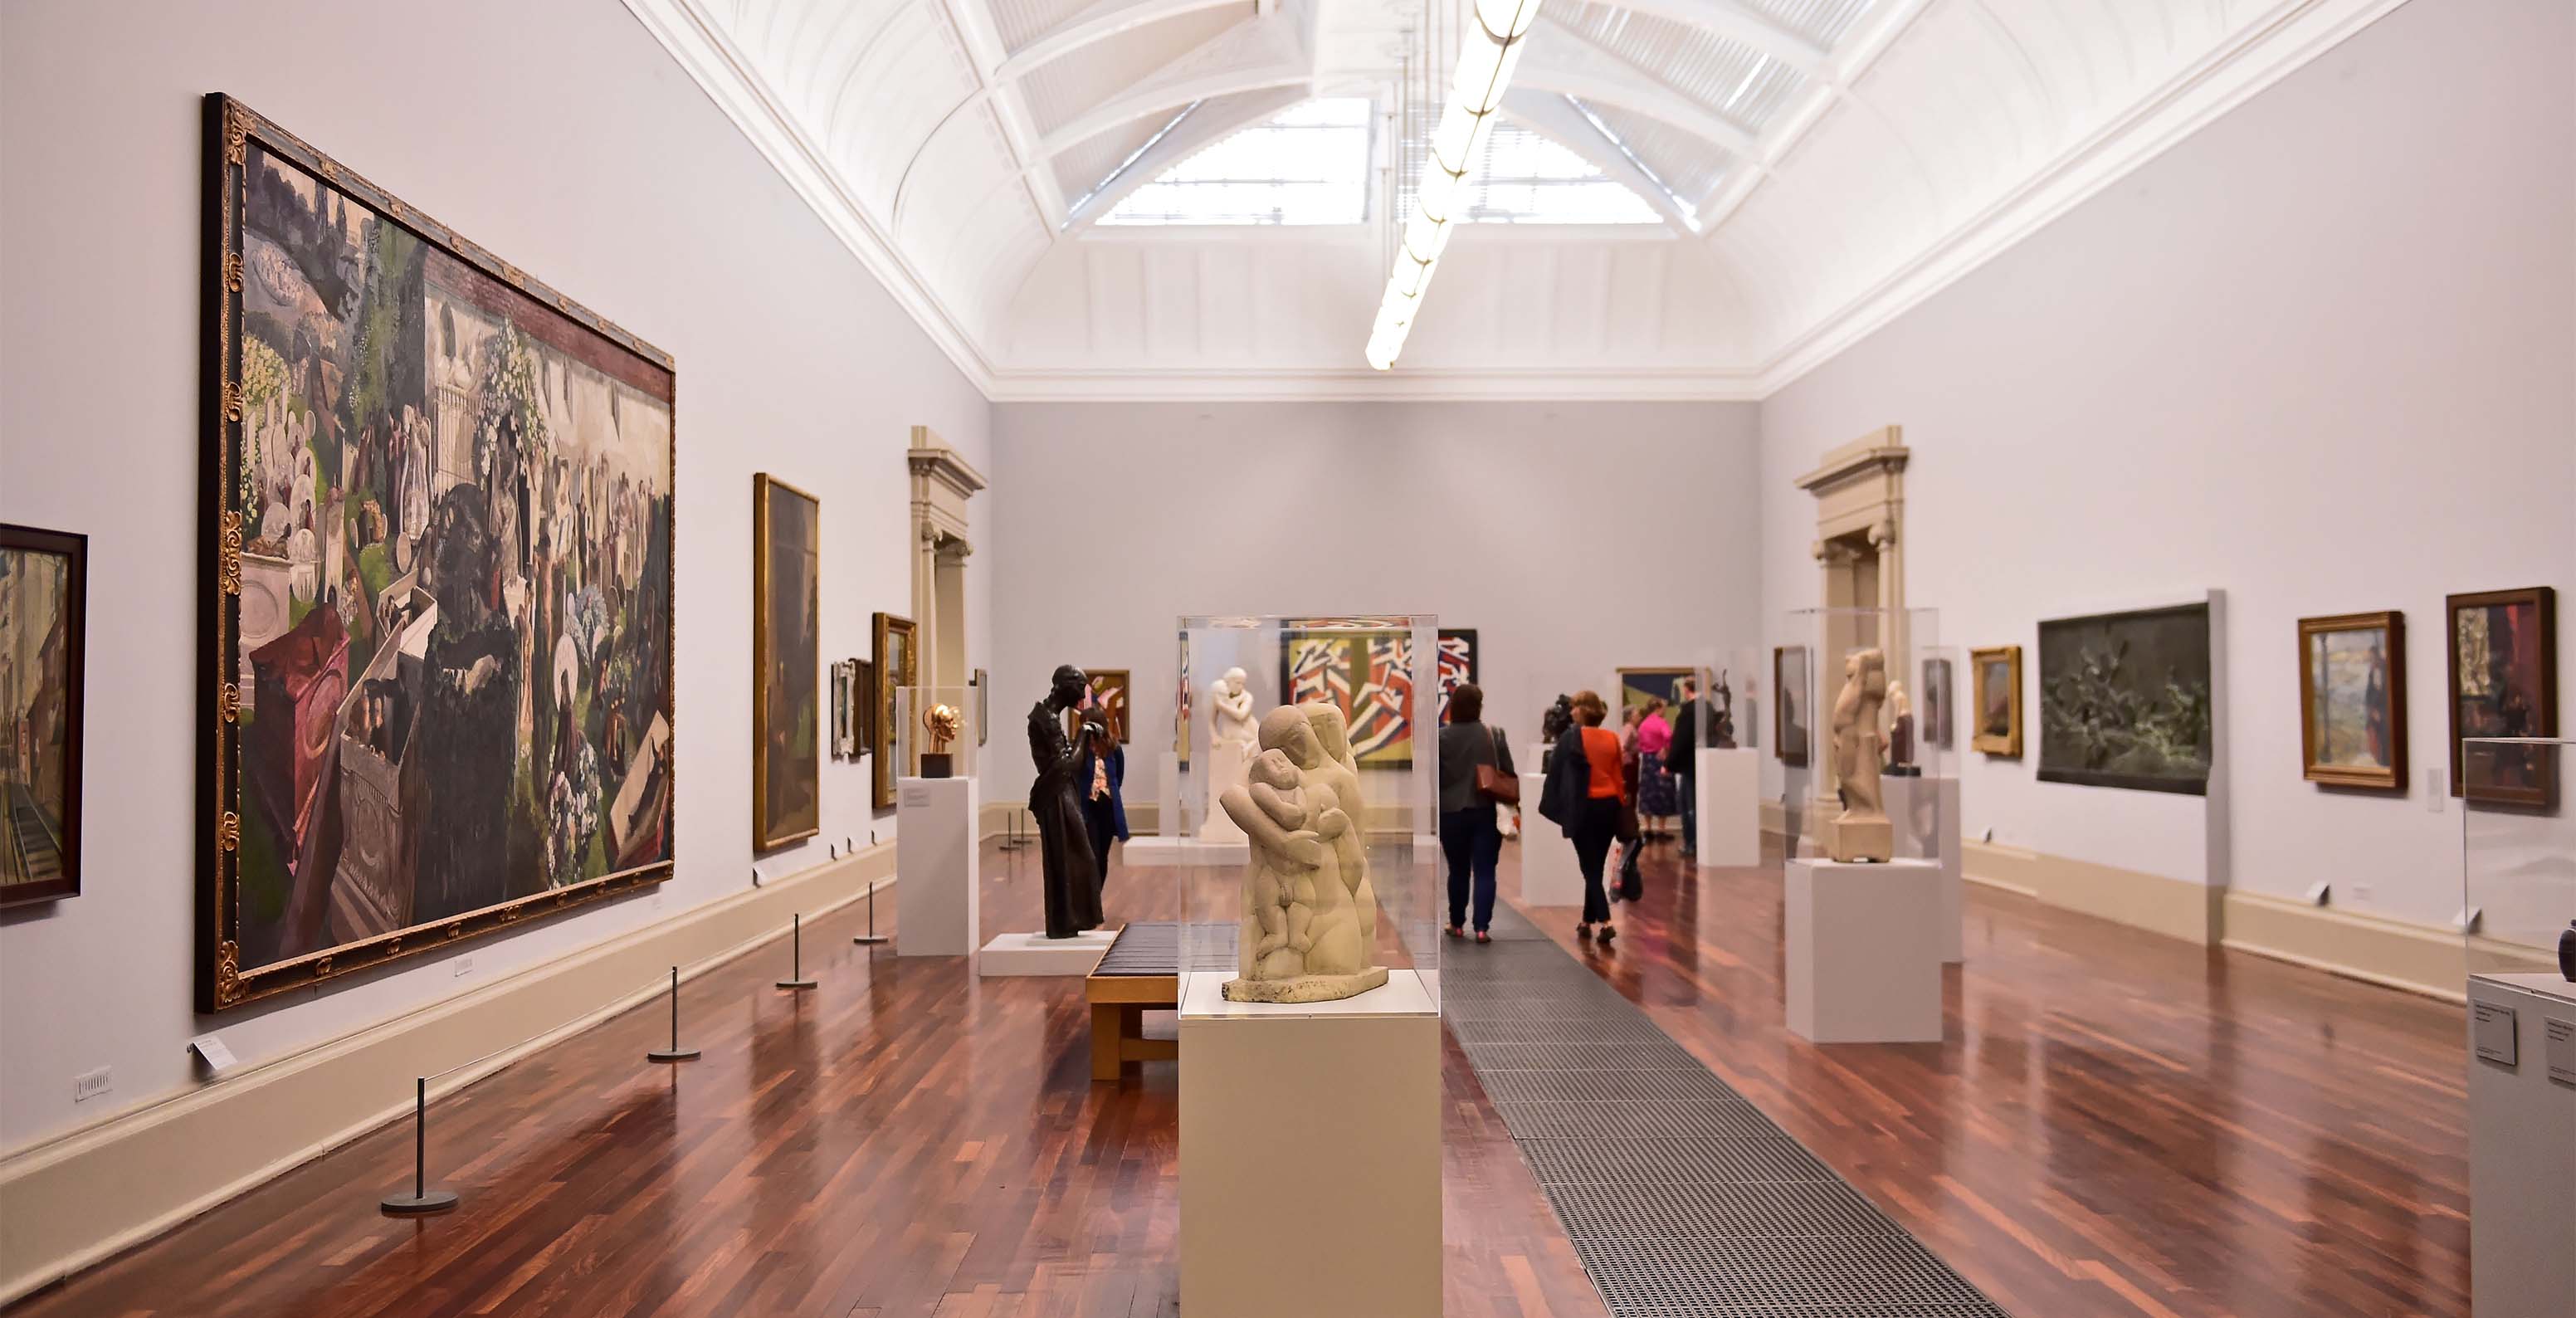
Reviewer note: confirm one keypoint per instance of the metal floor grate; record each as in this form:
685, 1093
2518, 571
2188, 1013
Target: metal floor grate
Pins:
1680, 1197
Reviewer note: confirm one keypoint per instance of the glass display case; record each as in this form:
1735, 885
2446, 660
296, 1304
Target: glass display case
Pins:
2518, 860
935, 731
1360, 768
1918, 767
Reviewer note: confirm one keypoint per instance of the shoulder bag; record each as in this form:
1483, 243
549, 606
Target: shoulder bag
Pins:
1490, 778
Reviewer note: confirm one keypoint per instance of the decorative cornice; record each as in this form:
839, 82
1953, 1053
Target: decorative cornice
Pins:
1881, 451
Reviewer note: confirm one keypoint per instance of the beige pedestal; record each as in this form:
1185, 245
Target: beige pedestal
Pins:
1729, 787
935, 880
1550, 875
1863, 951
2522, 1146
1310, 1154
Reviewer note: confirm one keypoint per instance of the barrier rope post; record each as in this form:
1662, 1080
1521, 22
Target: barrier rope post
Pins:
796, 973
674, 1053
422, 1201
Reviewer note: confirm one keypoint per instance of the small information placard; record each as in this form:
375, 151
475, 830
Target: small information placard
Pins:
915, 796
2491, 1028
213, 1053
2561, 1050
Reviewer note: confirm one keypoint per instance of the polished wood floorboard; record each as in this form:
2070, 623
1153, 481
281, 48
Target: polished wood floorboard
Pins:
906, 1139
2117, 1123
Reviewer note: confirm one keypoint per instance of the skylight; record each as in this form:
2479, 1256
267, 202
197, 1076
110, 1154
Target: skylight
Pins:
1309, 165
1525, 178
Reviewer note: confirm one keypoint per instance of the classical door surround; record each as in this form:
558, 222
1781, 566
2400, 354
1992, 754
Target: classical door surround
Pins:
1860, 556
942, 482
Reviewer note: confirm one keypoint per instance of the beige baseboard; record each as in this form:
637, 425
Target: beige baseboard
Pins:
2176, 908
75, 1200
2429, 959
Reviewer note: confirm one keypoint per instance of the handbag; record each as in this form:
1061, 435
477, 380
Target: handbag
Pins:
1492, 781
1632, 882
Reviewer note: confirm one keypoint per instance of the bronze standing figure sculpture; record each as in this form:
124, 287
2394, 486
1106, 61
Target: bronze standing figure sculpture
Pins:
1055, 807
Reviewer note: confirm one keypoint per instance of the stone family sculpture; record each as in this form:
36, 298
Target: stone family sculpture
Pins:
1230, 741
1055, 807
1862, 830
1309, 912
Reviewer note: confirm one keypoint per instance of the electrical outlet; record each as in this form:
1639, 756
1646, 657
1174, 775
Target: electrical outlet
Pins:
2362, 891
464, 966
90, 1084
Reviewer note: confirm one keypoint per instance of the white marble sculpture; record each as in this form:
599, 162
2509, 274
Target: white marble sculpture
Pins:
1309, 931
1231, 732
1862, 830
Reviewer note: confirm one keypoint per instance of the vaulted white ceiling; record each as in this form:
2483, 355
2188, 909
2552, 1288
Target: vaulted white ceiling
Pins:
1820, 164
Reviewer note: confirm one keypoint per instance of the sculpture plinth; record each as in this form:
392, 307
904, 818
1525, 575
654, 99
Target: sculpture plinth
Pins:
1848, 839
1305, 988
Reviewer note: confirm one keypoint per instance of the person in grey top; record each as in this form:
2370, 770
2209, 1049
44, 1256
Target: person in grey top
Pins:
1470, 839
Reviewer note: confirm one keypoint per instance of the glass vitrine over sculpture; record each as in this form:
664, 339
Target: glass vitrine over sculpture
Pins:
1849, 719
2518, 864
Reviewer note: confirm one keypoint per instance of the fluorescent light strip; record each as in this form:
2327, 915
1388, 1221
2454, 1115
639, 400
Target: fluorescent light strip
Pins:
1485, 61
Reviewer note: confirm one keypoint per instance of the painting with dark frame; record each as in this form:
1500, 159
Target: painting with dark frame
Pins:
2125, 700
1788, 688
983, 725
1938, 696
2503, 652
1113, 697
2352, 700
786, 714
44, 596
439, 534
844, 743
863, 697
894, 663
1994, 678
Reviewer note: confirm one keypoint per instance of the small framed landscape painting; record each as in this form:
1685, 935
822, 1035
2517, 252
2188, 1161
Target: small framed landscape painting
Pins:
786, 716
1788, 696
1995, 683
2352, 700
44, 588
1938, 729
894, 671
2504, 683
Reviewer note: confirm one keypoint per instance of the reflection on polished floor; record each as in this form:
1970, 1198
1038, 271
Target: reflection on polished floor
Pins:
2118, 1125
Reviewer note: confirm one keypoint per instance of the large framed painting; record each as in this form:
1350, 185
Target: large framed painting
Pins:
1112, 695
2352, 700
1363, 666
2504, 683
44, 596
1788, 697
2124, 700
786, 706
895, 666
1457, 663
439, 542
1639, 687
1994, 685
1938, 695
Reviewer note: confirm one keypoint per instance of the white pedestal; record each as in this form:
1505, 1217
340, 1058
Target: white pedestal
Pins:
1147, 852
1036, 954
1864, 957
934, 866
1310, 1154
1728, 784
1926, 814
2522, 1151
1167, 801
1549, 874
1228, 763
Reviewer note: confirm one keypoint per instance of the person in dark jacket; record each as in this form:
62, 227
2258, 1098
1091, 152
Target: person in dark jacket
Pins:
1101, 776
1470, 839
1583, 796
1681, 759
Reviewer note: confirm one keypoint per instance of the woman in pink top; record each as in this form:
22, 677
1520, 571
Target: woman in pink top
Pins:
1656, 732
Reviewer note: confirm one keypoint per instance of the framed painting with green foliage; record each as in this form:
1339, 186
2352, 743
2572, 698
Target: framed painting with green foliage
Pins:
895, 665
1788, 697
1365, 667
2352, 700
2504, 683
44, 594
786, 712
2124, 700
1112, 697
1994, 683
438, 555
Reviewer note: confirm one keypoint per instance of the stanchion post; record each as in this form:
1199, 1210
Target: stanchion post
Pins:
674, 1053
422, 1201
796, 940
871, 936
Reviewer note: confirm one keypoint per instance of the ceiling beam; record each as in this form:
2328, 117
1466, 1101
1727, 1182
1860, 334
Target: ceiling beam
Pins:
1098, 22
1554, 116
1860, 49
1736, 22
1569, 62
1271, 51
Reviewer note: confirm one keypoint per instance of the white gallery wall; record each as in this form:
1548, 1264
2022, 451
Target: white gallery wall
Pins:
1574, 537
2322, 356
572, 147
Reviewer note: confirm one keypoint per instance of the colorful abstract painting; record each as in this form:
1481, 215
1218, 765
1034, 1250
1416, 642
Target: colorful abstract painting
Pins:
439, 539
1368, 674
1457, 663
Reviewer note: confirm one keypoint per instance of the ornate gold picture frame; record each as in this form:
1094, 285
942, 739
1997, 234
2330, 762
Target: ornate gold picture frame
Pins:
896, 662
1994, 679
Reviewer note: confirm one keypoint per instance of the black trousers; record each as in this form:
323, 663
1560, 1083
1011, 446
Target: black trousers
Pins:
1471, 842
1596, 826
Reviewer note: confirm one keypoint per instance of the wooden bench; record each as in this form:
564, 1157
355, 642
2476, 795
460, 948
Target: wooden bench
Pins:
1141, 972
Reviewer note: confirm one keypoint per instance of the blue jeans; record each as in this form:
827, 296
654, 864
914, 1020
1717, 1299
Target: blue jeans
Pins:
1471, 841
1685, 784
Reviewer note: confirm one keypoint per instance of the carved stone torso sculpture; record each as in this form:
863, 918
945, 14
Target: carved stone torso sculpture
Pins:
1862, 831
1231, 732
1072, 885
1900, 733
1309, 914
